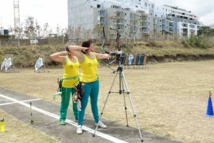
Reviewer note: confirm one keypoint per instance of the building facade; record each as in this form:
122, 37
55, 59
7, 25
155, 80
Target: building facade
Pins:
177, 21
132, 18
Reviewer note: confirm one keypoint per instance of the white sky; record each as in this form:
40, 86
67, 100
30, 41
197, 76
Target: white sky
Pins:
54, 12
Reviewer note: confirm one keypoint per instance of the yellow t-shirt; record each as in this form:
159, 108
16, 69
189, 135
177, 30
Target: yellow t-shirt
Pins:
89, 68
71, 73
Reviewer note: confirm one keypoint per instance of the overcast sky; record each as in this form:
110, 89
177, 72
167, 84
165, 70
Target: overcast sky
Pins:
54, 12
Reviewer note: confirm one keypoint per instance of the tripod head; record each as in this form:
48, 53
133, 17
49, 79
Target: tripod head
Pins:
120, 57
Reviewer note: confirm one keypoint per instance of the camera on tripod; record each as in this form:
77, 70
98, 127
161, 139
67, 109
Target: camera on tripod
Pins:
120, 56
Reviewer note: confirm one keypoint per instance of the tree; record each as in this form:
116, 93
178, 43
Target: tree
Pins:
97, 31
206, 31
30, 27
46, 30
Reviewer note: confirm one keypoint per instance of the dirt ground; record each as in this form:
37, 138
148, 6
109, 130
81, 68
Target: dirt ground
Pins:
169, 99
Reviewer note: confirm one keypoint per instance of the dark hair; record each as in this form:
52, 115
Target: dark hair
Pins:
86, 44
66, 48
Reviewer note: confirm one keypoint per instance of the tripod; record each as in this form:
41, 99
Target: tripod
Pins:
122, 82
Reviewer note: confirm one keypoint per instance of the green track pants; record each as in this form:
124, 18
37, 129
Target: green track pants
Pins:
65, 100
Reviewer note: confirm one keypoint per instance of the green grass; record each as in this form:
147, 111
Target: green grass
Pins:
26, 56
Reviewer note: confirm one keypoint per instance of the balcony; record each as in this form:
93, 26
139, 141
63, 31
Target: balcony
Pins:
184, 32
145, 31
132, 16
102, 20
163, 26
120, 14
171, 30
103, 13
120, 27
171, 24
145, 27
145, 24
184, 24
121, 21
192, 26
192, 30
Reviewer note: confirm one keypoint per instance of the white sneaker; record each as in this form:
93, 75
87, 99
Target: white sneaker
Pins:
79, 129
101, 125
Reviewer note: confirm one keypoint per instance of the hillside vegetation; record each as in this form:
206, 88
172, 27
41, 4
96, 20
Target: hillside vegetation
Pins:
165, 51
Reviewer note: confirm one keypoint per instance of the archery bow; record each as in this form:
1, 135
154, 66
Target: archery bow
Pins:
103, 44
103, 50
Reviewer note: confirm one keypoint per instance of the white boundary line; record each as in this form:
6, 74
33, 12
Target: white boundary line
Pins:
108, 137
21, 101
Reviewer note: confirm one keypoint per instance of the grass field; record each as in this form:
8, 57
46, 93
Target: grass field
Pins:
169, 99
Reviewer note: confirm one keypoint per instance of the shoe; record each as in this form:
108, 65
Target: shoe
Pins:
62, 122
79, 129
100, 124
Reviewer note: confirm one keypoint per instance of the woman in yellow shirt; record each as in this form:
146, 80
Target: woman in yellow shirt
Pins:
70, 79
89, 79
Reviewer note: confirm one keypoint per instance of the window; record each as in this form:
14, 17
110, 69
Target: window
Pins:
152, 6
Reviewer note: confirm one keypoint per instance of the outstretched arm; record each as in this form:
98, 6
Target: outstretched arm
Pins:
102, 56
59, 57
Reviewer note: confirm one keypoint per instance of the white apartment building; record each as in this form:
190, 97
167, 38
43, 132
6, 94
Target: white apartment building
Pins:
127, 17
178, 21
124, 15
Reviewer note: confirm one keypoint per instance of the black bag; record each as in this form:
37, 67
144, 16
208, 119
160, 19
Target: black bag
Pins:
59, 84
78, 94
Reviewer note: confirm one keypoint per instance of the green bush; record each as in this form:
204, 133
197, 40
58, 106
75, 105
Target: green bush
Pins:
198, 42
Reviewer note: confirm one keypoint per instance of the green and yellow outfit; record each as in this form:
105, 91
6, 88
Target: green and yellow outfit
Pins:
70, 79
90, 87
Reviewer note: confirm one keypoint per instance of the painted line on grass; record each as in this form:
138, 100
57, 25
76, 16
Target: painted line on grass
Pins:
105, 136
3, 104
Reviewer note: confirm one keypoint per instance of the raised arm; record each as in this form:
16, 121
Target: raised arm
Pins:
59, 57
77, 51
